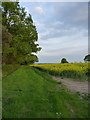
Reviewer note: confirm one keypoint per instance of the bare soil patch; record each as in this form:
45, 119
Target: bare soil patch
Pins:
72, 85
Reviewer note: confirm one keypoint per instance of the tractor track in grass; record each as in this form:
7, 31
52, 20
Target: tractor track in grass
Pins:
72, 85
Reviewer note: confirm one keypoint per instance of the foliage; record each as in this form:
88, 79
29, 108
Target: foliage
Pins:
64, 60
6, 40
21, 46
39, 97
70, 70
87, 58
8, 69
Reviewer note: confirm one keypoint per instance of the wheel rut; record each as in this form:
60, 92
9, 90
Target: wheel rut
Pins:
72, 85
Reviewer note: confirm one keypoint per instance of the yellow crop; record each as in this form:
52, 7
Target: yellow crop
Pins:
64, 66
71, 70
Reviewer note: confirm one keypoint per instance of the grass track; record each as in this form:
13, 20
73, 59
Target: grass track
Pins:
30, 93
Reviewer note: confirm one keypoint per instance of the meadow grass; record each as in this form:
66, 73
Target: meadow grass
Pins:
30, 93
79, 71
8, 69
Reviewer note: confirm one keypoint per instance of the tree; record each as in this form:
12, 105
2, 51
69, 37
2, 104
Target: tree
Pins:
87, 58
22, 46
6, 39
64, 60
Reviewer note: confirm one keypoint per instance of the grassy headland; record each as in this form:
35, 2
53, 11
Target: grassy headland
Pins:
30, 93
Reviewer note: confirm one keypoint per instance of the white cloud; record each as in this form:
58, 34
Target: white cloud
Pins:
62, 30
64, 51
39, 10
53, 0
65, 45
38, 24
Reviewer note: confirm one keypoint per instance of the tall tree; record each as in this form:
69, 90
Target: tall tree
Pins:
64, 60
6, 39
23, 31
87, 58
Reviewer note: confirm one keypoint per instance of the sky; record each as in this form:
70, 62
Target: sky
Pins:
62, 29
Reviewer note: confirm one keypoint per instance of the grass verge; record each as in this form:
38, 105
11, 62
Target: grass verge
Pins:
8, 69
30, 93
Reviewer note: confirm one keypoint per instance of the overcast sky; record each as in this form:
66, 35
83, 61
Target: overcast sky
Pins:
62, 29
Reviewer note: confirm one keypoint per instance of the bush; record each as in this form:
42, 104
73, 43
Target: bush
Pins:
64, 60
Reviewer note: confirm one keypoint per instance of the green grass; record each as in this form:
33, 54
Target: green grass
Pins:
0, 91
8, 69
77, 71
30, 93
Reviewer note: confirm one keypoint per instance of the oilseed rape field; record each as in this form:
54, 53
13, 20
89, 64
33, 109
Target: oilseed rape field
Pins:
70, 70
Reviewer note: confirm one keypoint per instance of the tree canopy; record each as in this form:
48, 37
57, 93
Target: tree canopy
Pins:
19, 35
64, 60
87, 58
